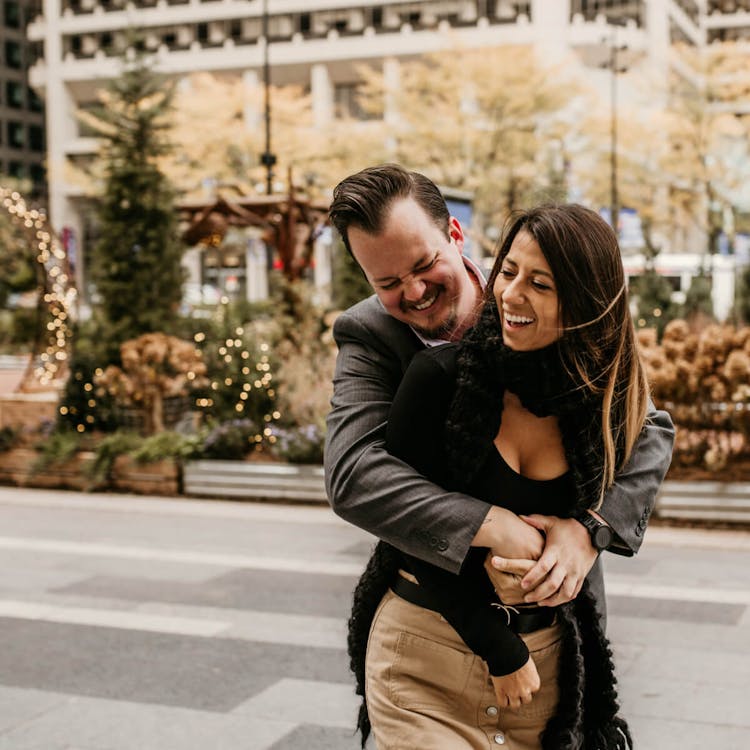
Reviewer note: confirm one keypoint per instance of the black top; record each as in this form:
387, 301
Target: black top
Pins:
415, 434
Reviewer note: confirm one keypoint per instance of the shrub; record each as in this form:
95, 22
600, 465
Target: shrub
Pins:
8, 438
231, 440
55, 449
299, 445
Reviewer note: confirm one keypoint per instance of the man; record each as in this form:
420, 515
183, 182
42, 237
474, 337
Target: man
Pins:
397, 227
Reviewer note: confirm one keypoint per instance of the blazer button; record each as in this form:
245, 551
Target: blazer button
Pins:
443, 545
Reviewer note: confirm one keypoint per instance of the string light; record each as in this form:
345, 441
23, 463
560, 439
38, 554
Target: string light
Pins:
231, 352
57, 293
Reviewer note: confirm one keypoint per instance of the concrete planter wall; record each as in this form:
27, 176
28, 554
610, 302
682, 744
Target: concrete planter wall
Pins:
251, 480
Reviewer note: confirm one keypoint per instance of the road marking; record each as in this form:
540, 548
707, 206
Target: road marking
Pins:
330, 704
148, 505
109, 618
247, 625
617, 585
675, 593
88, 549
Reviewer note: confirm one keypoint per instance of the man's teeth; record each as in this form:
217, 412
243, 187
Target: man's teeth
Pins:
426, 302
518, 318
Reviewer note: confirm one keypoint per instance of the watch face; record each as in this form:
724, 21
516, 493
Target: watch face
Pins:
602, 537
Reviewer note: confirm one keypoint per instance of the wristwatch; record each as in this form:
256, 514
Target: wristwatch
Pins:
601, 534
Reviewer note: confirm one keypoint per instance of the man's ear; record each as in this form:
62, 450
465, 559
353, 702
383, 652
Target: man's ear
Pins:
456, 233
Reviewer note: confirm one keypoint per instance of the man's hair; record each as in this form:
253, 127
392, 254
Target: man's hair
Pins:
364, 199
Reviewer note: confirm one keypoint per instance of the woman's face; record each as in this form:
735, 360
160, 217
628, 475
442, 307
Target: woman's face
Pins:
527, 297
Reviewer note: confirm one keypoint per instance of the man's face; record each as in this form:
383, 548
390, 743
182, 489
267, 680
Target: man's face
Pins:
417, 272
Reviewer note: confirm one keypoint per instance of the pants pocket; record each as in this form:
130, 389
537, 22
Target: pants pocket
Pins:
544, 703
427, 674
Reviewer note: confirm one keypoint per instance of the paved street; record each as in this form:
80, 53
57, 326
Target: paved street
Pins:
139, 623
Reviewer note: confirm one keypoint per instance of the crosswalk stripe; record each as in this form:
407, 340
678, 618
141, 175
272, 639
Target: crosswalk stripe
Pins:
616, 585
224, 560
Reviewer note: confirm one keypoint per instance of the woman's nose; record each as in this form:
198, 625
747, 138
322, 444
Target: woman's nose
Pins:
513, 292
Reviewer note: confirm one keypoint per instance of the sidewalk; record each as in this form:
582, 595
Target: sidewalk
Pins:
140, 623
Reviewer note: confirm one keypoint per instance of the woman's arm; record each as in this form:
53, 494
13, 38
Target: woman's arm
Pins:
415, 434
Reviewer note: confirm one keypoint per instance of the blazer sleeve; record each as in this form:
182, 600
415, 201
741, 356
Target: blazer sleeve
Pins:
366, 485
415, 434
629, 501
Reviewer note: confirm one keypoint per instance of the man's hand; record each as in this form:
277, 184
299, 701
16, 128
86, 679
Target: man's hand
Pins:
517, 688
567, 559
508, 536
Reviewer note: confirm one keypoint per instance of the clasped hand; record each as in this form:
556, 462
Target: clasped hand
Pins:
556, 577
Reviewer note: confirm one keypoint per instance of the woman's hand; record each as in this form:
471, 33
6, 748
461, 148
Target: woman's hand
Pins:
508, 536
505, 576
517, 688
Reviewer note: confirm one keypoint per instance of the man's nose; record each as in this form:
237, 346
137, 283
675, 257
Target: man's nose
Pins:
414, 288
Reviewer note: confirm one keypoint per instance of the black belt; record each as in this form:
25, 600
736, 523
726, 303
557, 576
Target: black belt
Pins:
525, 620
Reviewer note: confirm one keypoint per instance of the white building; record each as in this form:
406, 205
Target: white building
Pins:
318, 42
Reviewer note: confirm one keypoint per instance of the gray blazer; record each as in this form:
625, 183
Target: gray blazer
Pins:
375, 491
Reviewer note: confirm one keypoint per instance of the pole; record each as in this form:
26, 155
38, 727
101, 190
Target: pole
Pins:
614, 203
267, 159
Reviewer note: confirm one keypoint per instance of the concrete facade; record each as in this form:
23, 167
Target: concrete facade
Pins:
22, 138
318, 44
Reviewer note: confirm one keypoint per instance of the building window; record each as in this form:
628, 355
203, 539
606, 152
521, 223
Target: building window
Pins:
13, 57
14, 94
346, 102
16, 135
17, 170
35, 103
37, 174
12, 14
36, 138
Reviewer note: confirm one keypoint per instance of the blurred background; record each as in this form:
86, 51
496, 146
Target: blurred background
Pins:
168, 167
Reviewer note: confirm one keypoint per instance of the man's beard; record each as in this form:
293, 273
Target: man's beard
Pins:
444, 331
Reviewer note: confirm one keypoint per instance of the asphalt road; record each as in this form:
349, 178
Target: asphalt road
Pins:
138, 623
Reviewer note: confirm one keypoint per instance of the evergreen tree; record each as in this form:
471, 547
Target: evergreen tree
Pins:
654, 300
136, 264
742, 296
349, 283
698, 300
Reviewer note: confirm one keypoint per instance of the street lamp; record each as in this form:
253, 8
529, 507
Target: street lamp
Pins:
267, 159
615, 67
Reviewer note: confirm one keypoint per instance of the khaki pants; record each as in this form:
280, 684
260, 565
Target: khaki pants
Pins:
426, 689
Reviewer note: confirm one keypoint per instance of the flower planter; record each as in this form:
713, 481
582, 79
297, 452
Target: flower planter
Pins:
16, 468
156, 478
127, 475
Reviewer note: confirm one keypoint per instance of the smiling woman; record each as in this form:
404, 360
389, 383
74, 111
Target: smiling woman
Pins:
533, 411
526, 297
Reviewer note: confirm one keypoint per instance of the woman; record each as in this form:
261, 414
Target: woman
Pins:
536, 410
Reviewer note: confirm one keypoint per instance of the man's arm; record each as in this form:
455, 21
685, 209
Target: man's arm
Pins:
630, 500
568, 554
366, 485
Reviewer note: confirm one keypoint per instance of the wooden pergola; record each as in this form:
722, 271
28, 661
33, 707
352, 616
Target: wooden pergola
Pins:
289, 223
